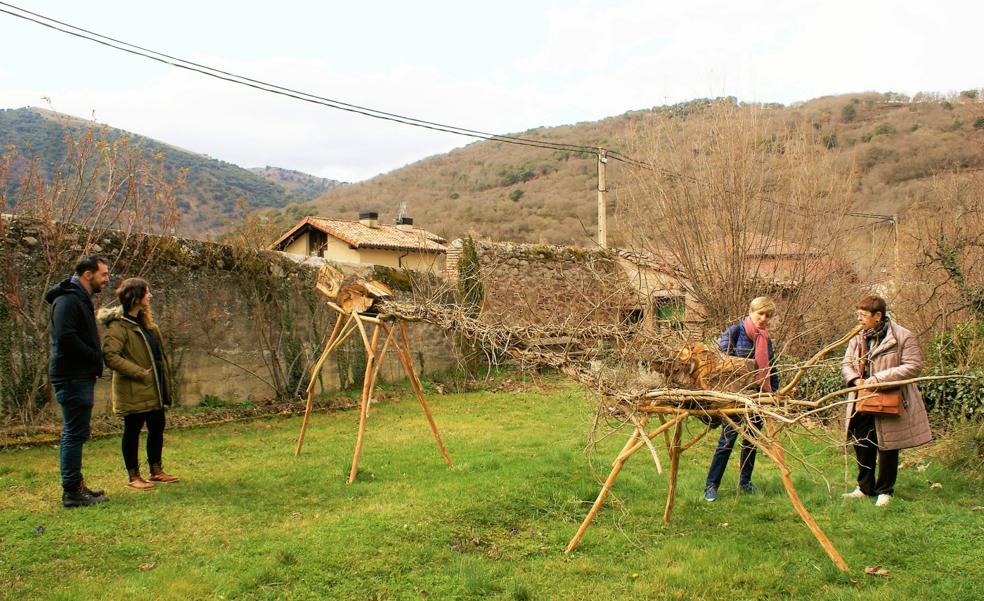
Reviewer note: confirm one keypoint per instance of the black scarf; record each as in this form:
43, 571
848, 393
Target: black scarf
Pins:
870, 339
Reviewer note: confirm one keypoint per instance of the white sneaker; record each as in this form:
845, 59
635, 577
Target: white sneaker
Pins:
854, 494
883, 500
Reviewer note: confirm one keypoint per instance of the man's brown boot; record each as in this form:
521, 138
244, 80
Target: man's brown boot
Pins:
157, 474
137, 482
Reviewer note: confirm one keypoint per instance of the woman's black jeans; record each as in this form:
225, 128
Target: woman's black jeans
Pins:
862, 433
132, 424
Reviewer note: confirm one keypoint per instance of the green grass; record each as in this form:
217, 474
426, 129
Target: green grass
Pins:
250, 521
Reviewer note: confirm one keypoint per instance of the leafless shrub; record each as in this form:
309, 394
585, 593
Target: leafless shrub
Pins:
105, 192
745, 206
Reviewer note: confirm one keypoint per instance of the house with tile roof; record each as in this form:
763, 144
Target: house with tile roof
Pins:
366, 242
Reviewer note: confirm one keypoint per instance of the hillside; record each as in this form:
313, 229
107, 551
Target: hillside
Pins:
208, 202
521, 193
299, 184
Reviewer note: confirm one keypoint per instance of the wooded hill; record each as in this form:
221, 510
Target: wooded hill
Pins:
521, 193
209, 200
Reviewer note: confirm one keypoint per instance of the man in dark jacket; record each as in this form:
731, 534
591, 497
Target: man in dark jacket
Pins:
76, 362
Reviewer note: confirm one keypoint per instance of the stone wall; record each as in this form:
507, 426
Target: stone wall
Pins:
552, 285
239, 324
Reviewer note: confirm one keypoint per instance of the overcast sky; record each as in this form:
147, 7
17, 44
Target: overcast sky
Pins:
503, 66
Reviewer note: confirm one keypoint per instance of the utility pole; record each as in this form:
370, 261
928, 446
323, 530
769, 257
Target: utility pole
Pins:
602, 188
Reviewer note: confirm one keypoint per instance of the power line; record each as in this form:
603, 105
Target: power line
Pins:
227, 76
277, 89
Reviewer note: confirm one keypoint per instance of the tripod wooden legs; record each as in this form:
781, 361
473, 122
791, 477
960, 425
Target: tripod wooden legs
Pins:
768, 443
398, 340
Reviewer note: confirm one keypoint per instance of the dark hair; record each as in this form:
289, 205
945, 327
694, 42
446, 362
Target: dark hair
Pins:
90, 263
872, 303
131, 292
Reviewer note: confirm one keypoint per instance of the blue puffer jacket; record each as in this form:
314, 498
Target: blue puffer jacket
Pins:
735, 342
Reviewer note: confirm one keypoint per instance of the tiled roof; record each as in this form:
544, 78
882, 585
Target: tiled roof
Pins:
357, 235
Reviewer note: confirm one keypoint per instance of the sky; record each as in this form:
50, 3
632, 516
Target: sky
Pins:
504, 66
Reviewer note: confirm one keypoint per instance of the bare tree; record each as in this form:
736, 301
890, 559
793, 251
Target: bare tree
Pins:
105, 193
943, 256
742, 205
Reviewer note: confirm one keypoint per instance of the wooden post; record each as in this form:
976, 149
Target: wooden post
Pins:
602, 188
675, 452
404, 352
364, 405
609, 482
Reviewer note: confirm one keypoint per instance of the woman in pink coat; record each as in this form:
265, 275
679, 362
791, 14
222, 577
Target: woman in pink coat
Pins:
883, 352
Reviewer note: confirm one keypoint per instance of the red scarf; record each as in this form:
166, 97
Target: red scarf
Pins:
760, 340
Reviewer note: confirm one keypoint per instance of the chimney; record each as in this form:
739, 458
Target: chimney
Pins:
369, 219
404, 223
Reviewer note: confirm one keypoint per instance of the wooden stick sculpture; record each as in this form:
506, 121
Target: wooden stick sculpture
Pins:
699, 382
352, 299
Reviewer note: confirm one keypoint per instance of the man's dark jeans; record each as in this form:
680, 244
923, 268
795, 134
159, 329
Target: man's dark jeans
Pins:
723, 453
75, 397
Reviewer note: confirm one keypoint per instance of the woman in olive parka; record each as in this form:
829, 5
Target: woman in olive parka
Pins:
133, 348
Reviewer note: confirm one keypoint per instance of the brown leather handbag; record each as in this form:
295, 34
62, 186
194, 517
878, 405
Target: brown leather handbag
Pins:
883, 401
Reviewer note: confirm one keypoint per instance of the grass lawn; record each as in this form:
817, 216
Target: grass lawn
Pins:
251, 521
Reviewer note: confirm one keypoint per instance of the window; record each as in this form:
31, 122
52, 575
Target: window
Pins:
671, 309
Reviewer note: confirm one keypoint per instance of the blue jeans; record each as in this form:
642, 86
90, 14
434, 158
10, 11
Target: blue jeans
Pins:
75, 397
720, 461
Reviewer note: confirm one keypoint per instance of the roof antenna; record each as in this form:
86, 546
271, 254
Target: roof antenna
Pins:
402, 213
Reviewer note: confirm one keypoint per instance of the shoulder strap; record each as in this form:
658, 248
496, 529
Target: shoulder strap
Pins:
733, 339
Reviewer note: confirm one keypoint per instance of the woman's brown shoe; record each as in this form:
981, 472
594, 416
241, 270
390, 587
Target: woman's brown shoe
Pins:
137, 481
157, 474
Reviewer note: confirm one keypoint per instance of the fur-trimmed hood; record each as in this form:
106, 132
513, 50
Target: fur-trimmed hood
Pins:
109, 314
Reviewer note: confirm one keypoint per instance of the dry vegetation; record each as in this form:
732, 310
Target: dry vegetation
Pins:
896, 143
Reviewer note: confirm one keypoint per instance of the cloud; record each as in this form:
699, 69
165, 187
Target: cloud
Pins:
572, 63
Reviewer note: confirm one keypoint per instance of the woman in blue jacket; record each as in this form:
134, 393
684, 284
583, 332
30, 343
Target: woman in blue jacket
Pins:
749, 339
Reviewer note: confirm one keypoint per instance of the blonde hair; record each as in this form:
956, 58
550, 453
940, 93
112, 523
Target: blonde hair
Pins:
762, 303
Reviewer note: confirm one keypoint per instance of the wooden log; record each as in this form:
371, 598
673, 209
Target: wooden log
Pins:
329, 281
407, 360
606, 487
364, 405
787, 482
709, 412
674, 469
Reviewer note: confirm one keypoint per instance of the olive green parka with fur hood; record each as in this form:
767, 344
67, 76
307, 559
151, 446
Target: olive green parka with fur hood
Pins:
128, 354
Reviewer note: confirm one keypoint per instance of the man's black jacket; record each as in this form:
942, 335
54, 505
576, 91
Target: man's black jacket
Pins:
75, 349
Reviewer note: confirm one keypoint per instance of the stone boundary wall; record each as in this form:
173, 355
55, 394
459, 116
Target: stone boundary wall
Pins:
227, 314
552, 285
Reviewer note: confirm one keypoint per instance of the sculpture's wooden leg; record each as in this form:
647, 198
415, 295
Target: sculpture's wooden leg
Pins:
696, 438
666, 433
379, 363
675, 452
631, 446
364, 405
662, 428
329, 347
404, 352
606, 487
640, 428
787, 481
